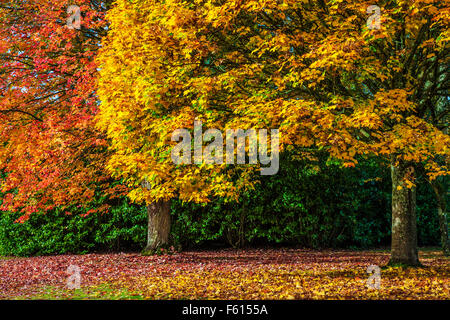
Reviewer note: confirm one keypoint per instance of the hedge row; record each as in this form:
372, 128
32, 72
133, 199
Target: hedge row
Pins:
320, 205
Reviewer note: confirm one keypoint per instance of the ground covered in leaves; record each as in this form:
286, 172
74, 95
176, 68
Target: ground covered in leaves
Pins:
225, 274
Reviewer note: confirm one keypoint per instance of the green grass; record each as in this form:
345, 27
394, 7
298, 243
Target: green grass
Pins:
97, 292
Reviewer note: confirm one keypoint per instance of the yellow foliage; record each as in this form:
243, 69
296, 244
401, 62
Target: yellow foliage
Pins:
315, 72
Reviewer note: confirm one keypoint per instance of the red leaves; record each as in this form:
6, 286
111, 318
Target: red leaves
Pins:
51, 152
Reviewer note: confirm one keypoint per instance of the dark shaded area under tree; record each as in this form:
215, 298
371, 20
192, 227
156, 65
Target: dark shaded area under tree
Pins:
330, 208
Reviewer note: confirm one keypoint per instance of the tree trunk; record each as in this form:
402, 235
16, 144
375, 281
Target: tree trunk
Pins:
158, 226
440, 191
404, 227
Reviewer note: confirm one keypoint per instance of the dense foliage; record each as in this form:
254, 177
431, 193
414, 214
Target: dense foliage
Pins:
313, 69
301, 205
56, 232
48, 143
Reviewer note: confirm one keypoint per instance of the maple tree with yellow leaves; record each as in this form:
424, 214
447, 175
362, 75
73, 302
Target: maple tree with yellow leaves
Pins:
313, 69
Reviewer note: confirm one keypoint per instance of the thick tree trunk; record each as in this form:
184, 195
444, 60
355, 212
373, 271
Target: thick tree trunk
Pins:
158, 226
404, 227
440, 191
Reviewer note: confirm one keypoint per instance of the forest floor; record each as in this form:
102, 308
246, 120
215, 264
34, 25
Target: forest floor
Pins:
225, 274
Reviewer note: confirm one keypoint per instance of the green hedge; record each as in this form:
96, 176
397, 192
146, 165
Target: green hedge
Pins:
124, 228
330, 207
303, 206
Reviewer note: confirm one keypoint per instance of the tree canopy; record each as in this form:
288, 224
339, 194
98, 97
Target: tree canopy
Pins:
51, 153
313, 69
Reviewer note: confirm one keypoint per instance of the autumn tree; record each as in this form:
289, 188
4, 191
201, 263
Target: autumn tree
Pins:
314, 69
50, 151
144, 86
